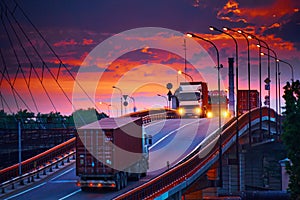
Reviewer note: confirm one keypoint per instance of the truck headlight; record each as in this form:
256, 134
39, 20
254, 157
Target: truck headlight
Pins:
225, 113
181, 111
197, 111
209, 115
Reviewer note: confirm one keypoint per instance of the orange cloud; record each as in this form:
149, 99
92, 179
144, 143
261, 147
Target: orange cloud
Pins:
260, 15
87, 41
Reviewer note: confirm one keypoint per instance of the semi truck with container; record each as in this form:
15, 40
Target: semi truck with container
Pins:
110, 151
243, 101
213, 104
192, 99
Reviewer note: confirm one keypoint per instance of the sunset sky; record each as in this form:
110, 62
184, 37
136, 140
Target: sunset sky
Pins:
137, 46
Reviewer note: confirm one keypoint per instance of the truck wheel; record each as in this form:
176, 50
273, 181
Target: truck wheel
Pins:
122, 181
137, 176
125, 180
118, 185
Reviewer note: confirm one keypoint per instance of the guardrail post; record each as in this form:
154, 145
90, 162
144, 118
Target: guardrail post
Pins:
62, 162
44, 172
38, 175
28, 180
68, 159
74, 156
3, 190
32, 178
56, 166
12, 186
22, 182
50, 170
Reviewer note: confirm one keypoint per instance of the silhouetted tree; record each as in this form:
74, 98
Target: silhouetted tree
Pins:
291, 135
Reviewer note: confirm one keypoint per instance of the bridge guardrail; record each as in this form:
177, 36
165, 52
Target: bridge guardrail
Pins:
35, 162
183, 171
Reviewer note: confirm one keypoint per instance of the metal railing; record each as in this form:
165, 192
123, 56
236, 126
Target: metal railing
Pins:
185, 170
37, 162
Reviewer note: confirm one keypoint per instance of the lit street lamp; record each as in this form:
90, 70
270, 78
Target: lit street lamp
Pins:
108, 110
276, 81
164, 98
181, 72
121, 98
219, 129
237, 89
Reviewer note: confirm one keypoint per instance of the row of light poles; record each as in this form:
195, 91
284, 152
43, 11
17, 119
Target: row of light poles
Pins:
125, 103
247, 36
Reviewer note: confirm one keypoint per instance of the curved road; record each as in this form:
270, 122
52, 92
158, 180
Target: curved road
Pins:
172, 141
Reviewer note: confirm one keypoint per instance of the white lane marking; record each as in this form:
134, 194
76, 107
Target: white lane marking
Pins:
62, 174
67, 196
26, 191
161, 139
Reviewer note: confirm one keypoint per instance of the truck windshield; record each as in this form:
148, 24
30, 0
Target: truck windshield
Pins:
189, 96
215, 100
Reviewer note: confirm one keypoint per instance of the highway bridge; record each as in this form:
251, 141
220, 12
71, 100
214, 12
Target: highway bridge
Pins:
184, 161
189, 158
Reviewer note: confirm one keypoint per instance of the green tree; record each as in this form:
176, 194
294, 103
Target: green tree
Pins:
291, 135
82, 117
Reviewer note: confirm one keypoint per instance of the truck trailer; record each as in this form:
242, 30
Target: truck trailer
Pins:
110, 151
242, 98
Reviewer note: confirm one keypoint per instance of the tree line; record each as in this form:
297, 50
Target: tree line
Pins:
30, 120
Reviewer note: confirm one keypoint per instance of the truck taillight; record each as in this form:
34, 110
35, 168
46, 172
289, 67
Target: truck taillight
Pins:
90, 184
99, 185
78, 184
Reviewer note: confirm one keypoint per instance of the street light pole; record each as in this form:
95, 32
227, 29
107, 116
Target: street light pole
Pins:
292, 69
164, 98
237, 105
121, 98
181, 72
249, 87
108, 111
269, 89
134, 107
219, 129
20, 147
250, 36
276, 80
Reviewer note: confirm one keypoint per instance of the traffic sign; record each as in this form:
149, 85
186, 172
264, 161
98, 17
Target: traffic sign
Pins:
125, 96
125, 103
169, 86
267, 81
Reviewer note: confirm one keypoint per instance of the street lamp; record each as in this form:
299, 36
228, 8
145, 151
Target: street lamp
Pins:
219, 129
108, 111
164, 98
267, 46
134, 107
292, 69
237, 89
181, 72
276, 81
121, 98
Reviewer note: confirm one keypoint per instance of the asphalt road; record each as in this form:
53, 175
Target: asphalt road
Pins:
172, 141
